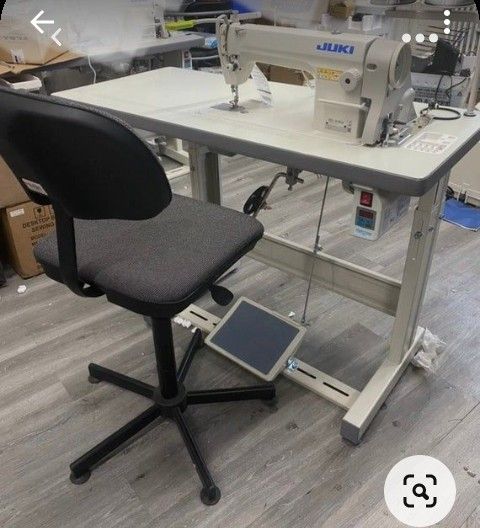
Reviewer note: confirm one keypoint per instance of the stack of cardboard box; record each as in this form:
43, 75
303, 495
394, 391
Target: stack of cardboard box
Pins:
20, 43
22, 47
23, 224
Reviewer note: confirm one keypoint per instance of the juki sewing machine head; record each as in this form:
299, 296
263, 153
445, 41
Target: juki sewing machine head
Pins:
363, 82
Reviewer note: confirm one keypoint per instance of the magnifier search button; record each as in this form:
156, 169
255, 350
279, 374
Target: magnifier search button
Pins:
420, 491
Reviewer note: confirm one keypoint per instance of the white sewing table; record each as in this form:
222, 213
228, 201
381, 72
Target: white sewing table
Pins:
191, 106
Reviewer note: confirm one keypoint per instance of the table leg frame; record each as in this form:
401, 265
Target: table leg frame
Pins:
402, 299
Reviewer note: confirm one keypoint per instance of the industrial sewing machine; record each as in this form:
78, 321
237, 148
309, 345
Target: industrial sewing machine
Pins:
363, 95
363, 84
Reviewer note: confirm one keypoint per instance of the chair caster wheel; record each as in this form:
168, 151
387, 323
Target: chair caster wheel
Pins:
93, 381
78, 481
210, 496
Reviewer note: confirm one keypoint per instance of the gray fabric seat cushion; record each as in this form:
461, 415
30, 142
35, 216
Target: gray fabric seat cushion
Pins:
168, 261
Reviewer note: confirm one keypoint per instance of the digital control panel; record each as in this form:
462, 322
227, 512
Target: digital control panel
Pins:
375, 212
366, 218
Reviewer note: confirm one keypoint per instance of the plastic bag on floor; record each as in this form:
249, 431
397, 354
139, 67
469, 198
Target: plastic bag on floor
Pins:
431, 348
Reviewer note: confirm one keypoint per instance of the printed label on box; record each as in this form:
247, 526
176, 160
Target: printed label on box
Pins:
18, 56
17, 212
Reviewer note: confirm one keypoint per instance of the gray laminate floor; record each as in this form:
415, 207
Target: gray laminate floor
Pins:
283, 466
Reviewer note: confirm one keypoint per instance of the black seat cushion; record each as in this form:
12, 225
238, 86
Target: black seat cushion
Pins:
157, 267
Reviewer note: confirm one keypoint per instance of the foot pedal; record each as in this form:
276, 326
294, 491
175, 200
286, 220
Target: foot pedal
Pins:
256, 338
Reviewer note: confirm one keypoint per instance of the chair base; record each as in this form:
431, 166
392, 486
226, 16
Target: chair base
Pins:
171, 408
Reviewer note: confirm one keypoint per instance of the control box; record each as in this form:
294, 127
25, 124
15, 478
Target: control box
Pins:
375, 212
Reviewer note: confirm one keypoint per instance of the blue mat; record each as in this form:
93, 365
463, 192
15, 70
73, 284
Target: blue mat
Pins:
462, 215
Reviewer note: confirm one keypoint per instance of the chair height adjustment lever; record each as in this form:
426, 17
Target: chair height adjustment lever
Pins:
221, 295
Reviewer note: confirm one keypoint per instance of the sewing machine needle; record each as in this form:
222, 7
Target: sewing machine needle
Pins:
236, 96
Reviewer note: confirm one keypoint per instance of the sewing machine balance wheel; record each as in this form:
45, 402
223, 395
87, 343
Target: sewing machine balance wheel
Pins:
400, 66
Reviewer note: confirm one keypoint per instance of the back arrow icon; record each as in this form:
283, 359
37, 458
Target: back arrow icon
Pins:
36, 22
55, 35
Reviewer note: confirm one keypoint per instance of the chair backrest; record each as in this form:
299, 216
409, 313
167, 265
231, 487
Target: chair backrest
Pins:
86, 161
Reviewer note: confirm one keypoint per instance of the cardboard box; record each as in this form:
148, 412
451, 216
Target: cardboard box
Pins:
18, 69
21, 43
24, 81
341, 9
283, 75
11, 192
286, 75
24, 225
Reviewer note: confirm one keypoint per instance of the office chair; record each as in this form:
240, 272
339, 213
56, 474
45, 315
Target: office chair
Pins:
121, 233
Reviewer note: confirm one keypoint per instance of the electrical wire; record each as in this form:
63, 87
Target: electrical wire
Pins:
435, 99
456, 114
211, 57
448, 91
89, 60
436, 106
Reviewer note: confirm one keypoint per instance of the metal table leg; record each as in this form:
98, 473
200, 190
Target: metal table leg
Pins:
205, 174
405, 336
